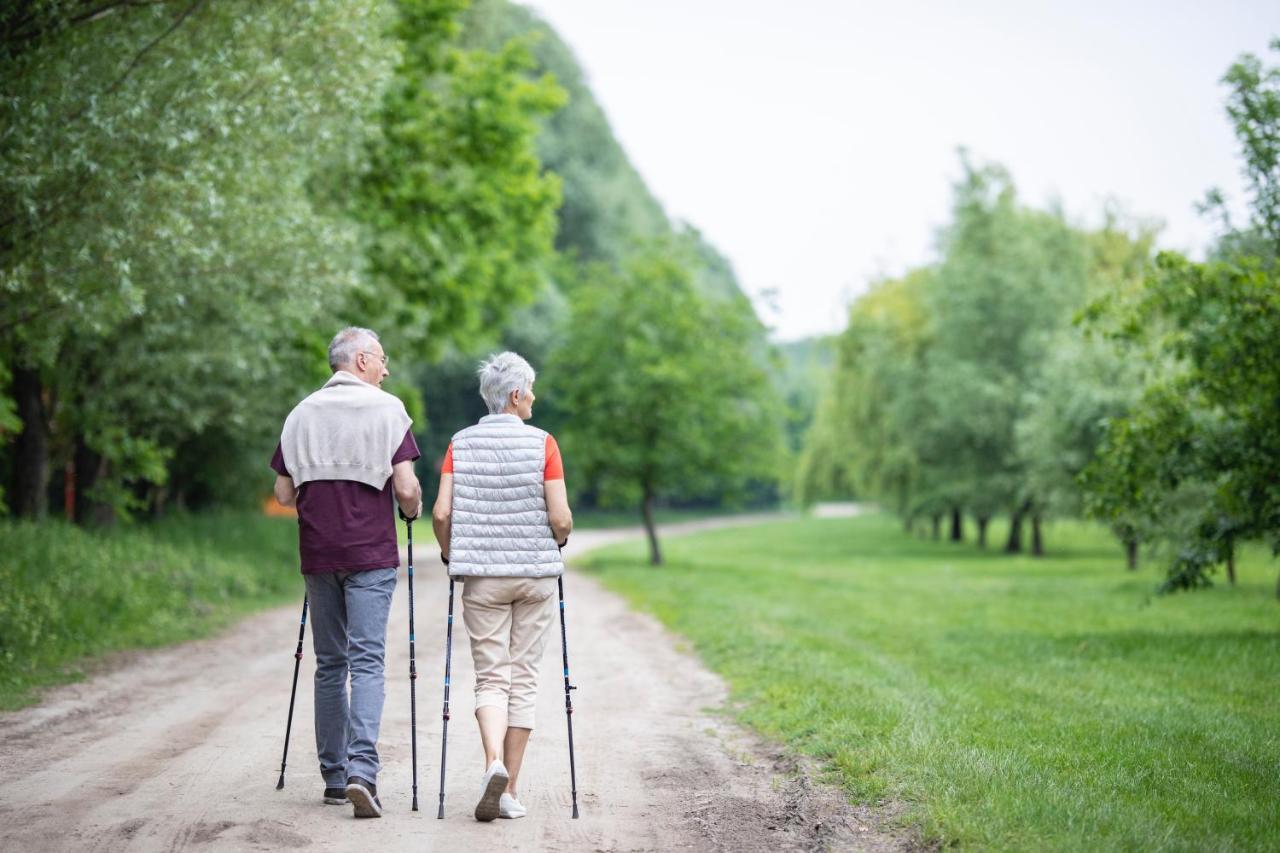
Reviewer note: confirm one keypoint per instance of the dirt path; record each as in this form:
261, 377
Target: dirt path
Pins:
180, 749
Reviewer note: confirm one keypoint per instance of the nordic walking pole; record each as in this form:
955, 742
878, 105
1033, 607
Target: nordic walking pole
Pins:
413, 669
448, 663
568, 700
293, 693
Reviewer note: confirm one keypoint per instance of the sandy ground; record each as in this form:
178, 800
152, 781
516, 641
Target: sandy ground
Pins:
180, 748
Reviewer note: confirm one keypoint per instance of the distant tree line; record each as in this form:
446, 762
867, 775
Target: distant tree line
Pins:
1043, 369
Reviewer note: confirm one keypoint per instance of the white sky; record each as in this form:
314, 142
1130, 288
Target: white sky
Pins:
814, 143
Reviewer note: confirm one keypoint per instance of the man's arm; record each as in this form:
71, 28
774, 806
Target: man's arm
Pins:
558, 512
286, 494
442, 514
407, 488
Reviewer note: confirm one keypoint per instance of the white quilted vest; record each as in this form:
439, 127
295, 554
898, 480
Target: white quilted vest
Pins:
500, 526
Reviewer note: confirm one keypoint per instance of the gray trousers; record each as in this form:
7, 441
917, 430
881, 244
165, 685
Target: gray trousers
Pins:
349, 634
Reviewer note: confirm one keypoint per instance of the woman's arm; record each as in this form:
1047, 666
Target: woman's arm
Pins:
442, 514
558, 512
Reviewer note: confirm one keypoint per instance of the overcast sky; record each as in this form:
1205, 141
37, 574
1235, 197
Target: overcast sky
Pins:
814, 143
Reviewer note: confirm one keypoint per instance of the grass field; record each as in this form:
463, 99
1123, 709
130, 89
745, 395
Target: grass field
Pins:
70, 595
1010, 703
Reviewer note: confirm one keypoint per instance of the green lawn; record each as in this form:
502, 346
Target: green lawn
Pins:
602, 519
70, 595
1011, 703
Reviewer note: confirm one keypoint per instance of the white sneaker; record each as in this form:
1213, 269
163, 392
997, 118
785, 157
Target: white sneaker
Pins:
509, 807
491, 789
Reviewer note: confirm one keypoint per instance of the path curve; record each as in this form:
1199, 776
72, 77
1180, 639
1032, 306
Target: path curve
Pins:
179, 749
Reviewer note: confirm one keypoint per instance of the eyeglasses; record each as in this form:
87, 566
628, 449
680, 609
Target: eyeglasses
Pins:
382, 356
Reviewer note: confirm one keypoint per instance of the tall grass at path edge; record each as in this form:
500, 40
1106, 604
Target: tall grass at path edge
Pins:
71, 595
1006, 702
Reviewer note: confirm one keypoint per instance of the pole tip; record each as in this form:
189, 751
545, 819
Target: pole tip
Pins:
280, 784
415, 804
440, 814
575, 811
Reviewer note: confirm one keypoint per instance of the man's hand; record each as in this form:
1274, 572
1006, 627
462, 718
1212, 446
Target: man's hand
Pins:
416, 513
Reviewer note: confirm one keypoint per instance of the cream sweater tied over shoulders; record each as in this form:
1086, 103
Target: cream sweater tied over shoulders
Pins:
347, 430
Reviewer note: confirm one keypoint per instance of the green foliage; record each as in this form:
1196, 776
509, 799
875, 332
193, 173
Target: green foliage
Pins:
606, 204
862, 443
1194, 463
606, 210
195, 196
1084, 383
461, 214
1196, 460
1009, 279
668, 394
1253, 106
159, 248
952, 384
1004, 703
803, 370
72, 595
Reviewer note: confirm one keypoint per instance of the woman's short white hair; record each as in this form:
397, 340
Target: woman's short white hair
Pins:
500, 375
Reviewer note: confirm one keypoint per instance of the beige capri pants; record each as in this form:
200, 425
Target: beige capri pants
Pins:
508, 620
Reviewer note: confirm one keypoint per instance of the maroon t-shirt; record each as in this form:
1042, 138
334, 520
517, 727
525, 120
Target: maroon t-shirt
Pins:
345, 526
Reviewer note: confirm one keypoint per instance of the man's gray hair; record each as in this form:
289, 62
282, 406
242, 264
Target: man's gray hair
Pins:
348, 342
500, 375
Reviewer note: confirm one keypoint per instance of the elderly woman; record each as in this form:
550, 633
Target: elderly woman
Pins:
501, 517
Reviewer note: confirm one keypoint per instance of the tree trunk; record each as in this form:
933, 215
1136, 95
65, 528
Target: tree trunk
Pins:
1131, 554
646, 508
1014, 544
983, 521
1037, 538
937, 526
957, 526
31, 448
89, 468
1231, 562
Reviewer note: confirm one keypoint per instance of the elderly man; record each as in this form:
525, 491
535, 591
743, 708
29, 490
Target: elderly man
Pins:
501, 516
344, 451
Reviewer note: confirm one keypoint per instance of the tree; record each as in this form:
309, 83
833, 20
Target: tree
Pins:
1084, 383
461, 214
1009, 279
158, 245
1197, 457
864, 438
666, 390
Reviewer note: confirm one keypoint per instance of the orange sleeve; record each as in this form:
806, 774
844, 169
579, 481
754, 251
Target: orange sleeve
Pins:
555, 465
446, 467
